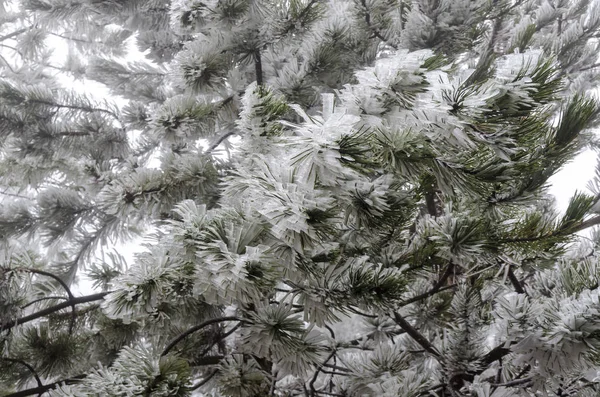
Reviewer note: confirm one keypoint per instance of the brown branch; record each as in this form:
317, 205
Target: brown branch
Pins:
258, 67
220, 139
420, 339
42, 389
53, 309
438, 287
198, 327
13, 34
205, 380
426, 295
29, 367
208, 360
74, 107
45, 298
516, 382
222, 337
311, 384
376, 31
62, 284
515, 281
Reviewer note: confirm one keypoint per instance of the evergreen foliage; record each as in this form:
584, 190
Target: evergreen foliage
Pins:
336, 198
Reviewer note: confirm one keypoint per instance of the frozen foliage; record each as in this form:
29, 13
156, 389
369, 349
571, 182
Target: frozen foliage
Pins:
334, 198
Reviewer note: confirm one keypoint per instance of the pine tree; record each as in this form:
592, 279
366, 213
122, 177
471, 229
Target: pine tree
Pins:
336, 198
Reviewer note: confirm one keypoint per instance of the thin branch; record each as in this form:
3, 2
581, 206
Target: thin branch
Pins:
223, 337
336, 367
7, 64
45, 298
208, 360
516, 382
74, 107
29, 367
515, 281
258, 67
205, 380
438, 287
220, 139
16, 195
571, 230
376, 31
311, 384
198, 327
62, 284
13, 34
53, 309
596, 65
427, 294
42, 389
420, 339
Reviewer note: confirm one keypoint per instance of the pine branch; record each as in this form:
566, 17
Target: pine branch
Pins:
207, 360
221, 338
438, 287
420, 339
557, 233
374, 29
15, 33
205, 380
258, 67
516, 382
63, 285
45, 298
198, 327
8, 64
74, 107
311, 384
515, 281
219, 140
29, 367
42, 313
42, 389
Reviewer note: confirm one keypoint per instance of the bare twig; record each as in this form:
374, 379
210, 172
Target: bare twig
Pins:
53, 309
515, 281
223, 337
13, 34
62, 284
220, 139
198, 327
258, 67
42, 389
420, 339
29, 367
205, 380
373, 28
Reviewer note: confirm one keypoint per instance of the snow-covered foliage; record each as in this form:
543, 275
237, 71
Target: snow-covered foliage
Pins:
331, 198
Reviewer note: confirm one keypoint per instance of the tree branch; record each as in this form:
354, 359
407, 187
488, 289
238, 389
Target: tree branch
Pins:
13, 34
29, 367
62, 284
570, 230
42, 389
515, 281
220, 139
198, 327
438, 287
258, 67
205, 380
223, 337
53, 309
420, 339
374, 29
